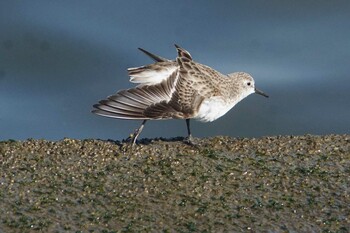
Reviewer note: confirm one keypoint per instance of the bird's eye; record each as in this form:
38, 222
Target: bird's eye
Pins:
248, 83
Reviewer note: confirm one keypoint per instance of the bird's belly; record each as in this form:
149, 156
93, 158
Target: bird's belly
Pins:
213, 108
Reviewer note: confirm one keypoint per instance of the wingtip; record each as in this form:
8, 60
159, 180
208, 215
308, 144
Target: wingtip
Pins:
95, 106
141, 49
182, 52
153, 56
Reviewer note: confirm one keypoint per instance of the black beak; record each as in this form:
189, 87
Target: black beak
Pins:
257, 91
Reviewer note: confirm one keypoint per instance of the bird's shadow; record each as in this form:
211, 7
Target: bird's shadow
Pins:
148, 141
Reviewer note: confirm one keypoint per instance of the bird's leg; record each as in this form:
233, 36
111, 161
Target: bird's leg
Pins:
137, 132
189, 135
189, 138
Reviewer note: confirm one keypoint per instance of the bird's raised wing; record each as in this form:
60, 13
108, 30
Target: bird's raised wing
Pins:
133, 103
152, 74
167, 89
156, 58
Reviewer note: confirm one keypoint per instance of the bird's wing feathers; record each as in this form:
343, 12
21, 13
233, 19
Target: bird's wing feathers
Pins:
134, 102
185, 100
167, 89
156, 58
182, 53
152, 74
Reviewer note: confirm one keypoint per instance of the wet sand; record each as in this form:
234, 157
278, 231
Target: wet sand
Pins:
269, 184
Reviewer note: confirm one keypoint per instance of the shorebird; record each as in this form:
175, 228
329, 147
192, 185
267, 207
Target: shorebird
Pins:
177, 89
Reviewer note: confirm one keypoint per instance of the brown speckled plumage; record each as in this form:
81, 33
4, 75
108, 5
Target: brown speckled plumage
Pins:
180, 89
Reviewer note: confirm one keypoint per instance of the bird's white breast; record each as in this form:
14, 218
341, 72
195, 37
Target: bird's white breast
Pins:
213, 108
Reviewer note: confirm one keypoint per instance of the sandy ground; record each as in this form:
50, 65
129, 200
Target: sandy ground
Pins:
270, 184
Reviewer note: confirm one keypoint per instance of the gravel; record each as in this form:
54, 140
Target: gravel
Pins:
269, 184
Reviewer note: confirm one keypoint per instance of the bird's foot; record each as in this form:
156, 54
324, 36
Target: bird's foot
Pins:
189, 140
133, 137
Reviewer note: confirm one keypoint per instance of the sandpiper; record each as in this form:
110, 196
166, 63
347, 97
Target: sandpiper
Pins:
179, 89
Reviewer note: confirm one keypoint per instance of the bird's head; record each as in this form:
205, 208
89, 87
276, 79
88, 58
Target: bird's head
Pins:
246, 84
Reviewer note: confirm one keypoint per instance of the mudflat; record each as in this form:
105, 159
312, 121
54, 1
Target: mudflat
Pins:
268, 184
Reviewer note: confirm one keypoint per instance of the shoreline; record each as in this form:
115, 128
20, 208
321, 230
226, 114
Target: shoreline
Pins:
280, 183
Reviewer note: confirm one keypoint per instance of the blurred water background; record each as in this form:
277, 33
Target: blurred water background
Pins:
58, 58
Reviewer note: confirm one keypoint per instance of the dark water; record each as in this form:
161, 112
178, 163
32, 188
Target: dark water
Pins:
58, 58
